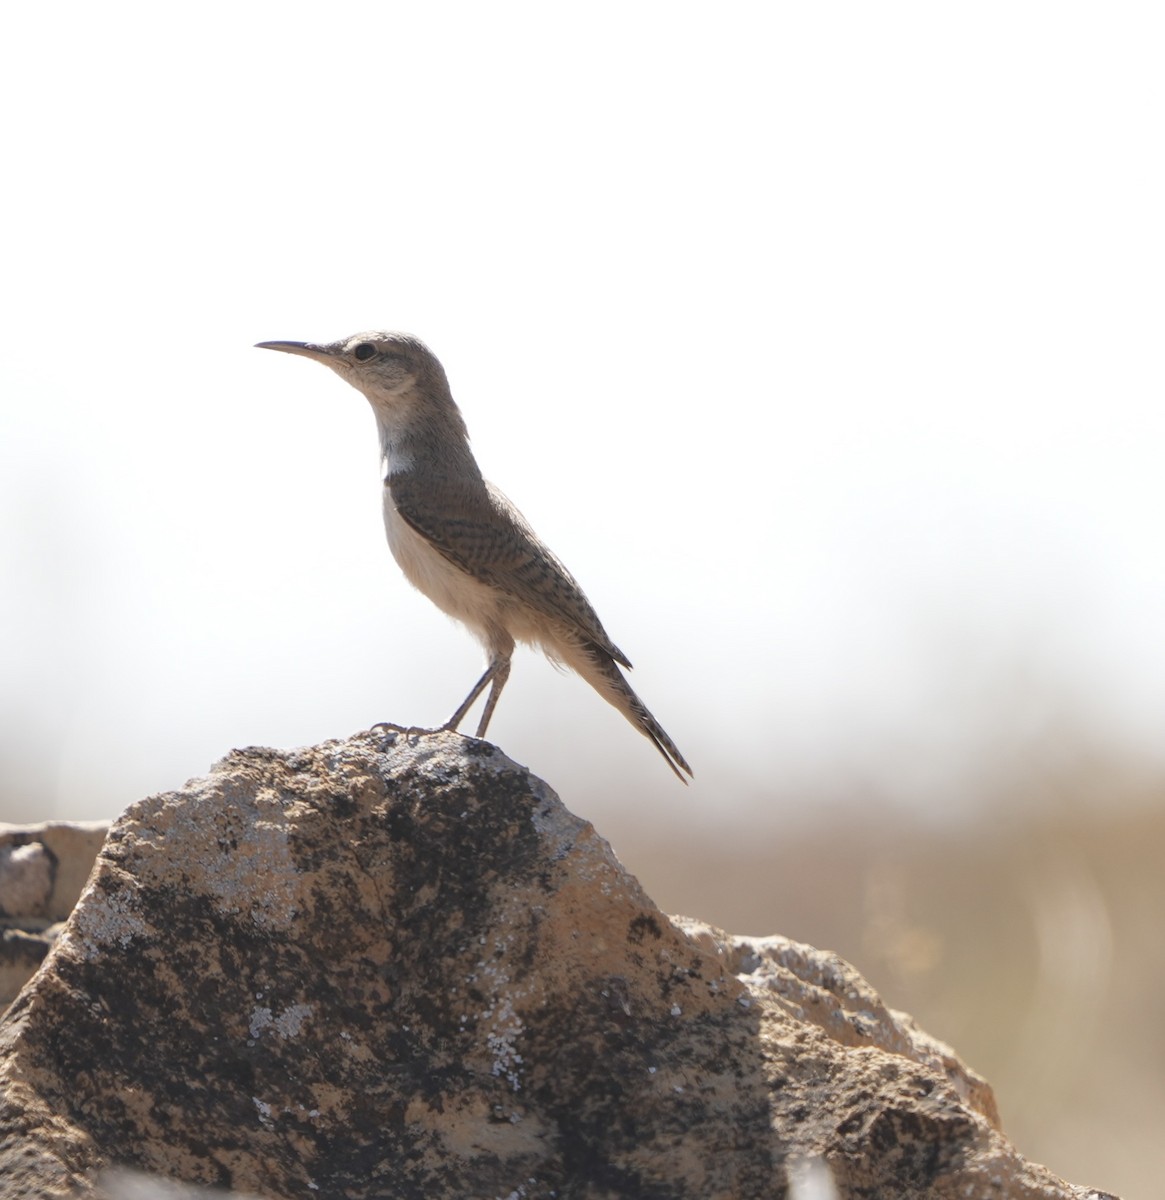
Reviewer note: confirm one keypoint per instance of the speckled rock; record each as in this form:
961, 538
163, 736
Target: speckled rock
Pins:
396, 966
26, 879
65, 851
43, 868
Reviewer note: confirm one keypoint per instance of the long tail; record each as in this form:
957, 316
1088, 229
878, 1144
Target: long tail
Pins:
601, 671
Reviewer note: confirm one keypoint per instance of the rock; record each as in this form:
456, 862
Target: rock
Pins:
26, 880
819, 987
121, 1184
67, 848
23, 947
396, 966
42, 871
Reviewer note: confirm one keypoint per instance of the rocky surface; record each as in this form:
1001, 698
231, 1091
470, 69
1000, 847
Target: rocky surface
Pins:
396, 966
42, 871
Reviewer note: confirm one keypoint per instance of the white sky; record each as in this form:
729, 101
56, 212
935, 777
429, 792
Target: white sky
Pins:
822, 342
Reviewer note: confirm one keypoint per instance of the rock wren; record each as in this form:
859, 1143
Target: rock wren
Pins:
461, 542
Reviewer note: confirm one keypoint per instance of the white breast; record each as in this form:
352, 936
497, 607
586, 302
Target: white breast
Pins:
450, 588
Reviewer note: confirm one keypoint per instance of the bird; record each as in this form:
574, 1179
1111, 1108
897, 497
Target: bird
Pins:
460, 541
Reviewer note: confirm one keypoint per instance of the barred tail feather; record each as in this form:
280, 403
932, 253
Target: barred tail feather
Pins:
601, 671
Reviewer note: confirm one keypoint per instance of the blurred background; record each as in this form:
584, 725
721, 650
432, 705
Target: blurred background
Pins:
823, 343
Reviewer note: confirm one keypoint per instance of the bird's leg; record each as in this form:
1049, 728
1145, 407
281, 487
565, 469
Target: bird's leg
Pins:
467, 703
500, 675
500, 663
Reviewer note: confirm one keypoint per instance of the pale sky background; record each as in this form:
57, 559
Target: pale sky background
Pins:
822, 342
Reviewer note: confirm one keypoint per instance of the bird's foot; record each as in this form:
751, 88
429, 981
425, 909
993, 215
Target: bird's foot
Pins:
407, 730
418, 730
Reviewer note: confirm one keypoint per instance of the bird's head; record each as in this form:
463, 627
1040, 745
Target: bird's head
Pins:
407, 388
389, 368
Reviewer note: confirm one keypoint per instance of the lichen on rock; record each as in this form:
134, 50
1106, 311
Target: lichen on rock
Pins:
397, 966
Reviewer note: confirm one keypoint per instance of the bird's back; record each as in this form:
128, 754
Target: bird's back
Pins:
496, 560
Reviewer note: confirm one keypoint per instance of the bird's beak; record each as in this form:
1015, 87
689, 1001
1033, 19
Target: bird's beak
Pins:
307, 349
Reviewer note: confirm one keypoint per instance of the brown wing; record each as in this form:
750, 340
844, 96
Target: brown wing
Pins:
488, 538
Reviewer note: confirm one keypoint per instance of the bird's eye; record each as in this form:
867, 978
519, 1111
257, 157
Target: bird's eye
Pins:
364, 351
